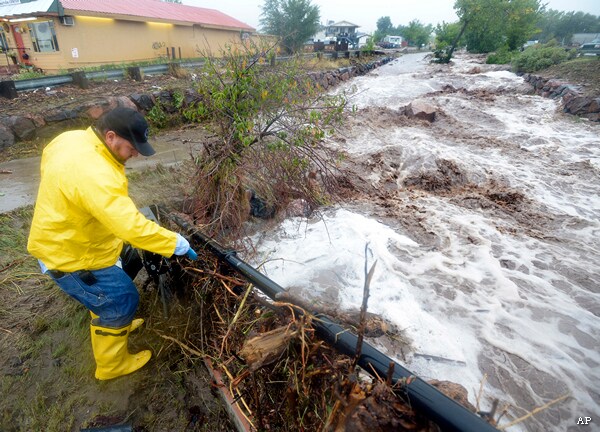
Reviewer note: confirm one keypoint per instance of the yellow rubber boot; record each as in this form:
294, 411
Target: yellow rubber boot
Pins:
110, 351
135, 324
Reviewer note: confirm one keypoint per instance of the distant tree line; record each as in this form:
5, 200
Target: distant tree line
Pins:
484, 25
561, 26
505, 25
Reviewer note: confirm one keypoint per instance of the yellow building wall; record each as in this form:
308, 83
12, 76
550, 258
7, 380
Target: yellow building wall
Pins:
96, 41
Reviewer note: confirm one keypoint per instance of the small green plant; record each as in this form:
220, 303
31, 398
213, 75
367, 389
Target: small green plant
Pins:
157, 117
178, 99
369, 46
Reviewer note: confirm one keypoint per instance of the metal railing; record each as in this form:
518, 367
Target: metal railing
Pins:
50, 81
157, 69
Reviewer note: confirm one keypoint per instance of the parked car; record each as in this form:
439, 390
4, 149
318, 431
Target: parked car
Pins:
387, 45
590, 48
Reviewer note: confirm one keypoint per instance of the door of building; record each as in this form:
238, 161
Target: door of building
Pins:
20, 46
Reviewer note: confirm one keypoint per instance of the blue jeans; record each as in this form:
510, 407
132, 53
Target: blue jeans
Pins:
113, 296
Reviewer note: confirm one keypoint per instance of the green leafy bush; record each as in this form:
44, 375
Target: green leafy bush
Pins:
503, 56
536, 58
268, 123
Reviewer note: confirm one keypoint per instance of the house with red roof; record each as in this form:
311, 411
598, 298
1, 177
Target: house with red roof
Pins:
55, 35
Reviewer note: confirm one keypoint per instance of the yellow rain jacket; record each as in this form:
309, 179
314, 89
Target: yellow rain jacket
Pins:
83, 212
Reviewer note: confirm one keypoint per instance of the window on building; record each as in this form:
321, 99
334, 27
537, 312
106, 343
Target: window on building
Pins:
3, 40
43, 36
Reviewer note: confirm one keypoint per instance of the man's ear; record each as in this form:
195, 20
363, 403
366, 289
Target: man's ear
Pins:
109, 137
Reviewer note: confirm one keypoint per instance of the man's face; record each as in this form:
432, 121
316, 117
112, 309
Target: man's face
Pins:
120, 147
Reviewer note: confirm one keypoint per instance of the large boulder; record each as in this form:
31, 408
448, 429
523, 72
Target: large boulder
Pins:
124, 101
573, 101
144, 102
23, 127
578, 105
60, 115
421, 110
7, 138
594, 106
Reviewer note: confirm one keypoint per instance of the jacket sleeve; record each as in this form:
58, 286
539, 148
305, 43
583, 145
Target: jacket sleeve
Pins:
107, 200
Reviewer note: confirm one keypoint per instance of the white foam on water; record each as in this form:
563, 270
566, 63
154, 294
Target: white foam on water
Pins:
374, 89
492, 295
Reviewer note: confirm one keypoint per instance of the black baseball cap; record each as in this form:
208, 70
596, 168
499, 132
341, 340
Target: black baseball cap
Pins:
128, 124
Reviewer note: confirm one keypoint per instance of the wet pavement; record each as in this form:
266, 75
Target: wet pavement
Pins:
19, 179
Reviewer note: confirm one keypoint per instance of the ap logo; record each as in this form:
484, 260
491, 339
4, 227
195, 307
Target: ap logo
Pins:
584, 420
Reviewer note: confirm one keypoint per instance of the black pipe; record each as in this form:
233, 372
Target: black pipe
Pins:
426, 399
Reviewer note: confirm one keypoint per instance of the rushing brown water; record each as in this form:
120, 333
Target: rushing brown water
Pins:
485, 225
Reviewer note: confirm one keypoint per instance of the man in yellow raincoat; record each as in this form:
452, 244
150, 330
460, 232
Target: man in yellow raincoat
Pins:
83, 215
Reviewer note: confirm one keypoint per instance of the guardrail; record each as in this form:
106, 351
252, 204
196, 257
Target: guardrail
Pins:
9, 89
56, 80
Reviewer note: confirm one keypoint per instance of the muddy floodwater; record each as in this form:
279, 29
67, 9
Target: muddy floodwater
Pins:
485, 225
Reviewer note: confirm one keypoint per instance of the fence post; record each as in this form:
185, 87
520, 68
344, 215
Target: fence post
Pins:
175, 69
8, 89
80, 80
135, 73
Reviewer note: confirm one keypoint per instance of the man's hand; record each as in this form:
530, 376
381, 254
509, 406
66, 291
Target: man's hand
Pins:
191, 254
183, 248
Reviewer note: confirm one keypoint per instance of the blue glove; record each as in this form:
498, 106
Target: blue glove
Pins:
191, 254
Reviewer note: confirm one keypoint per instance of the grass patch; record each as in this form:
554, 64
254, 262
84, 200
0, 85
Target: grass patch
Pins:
582, 71
16, 264
325, 63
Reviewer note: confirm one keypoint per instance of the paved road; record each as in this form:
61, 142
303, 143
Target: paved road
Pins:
19, 179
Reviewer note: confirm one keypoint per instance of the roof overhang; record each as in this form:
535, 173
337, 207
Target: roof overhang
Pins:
122, 17
46, 8
30, 9
343, 24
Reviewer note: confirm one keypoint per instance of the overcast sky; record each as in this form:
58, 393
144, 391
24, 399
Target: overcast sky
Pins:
366, 13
